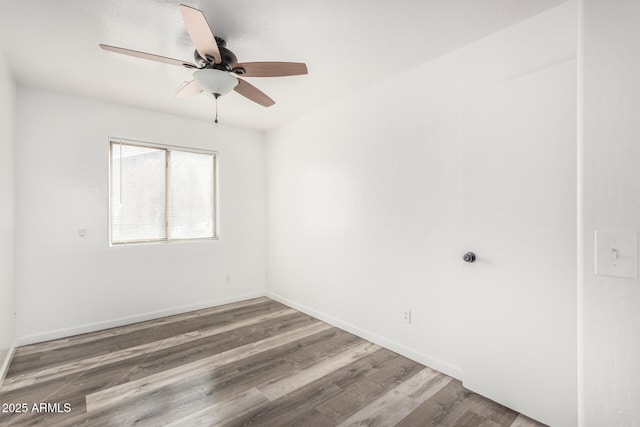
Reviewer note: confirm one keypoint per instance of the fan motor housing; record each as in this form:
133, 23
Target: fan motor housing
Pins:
228, 57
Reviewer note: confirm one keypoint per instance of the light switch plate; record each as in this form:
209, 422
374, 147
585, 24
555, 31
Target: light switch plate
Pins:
617, 254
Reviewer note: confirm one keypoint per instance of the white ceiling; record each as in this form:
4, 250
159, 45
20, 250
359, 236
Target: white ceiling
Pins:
346, 44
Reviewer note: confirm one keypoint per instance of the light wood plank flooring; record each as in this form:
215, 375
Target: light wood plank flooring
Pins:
256, 362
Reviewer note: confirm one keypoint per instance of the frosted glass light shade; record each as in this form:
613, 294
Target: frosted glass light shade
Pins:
215, 81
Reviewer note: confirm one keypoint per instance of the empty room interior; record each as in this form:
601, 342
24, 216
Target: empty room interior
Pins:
411, 213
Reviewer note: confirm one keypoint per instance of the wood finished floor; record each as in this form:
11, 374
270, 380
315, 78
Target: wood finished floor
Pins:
256, 362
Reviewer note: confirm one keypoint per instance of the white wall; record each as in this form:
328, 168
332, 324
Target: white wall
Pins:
611, 201
68, 284
364, 207
7, 207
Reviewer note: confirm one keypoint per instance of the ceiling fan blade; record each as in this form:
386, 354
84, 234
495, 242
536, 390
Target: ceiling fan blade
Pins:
200, 33
253, 93
271, 69
148, 56
188, 90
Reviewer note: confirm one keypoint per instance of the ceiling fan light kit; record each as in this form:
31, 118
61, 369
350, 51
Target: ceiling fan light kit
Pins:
216, 66
216, 82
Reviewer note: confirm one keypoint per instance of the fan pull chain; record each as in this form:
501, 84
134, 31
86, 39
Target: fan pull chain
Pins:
216, 96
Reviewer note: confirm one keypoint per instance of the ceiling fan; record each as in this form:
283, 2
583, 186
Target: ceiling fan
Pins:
216, 67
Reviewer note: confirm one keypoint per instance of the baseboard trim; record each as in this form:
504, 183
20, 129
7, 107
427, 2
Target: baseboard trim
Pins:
438, 365
97, 326
4, 364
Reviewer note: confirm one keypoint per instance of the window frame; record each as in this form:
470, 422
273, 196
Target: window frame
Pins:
167, 148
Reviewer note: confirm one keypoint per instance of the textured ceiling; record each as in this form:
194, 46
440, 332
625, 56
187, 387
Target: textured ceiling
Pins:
347, 45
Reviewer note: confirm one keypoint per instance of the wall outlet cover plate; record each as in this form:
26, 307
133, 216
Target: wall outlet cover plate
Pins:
616, 254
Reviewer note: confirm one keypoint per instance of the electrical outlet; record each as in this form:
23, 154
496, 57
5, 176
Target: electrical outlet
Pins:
406, 315
227, 278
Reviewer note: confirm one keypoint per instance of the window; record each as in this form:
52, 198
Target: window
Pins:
161, 194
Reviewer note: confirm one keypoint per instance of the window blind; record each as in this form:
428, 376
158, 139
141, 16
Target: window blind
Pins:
191, 195
161, 194
138, 193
